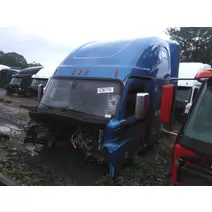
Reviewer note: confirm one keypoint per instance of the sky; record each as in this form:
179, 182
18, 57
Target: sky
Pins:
41, 45
33, 46
48, 37
47, 31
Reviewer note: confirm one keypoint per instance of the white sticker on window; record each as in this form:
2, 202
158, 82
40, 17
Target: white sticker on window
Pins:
105, 90
107, 115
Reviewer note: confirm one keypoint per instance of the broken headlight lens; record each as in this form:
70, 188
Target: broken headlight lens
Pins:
112, 104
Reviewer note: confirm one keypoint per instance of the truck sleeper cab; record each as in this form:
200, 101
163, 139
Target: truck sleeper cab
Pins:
41, 77
21, 81
192, 154
105, 99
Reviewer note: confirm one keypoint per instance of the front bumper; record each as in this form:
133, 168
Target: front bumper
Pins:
15, 89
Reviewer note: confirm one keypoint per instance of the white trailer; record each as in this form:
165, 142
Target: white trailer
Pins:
187, 89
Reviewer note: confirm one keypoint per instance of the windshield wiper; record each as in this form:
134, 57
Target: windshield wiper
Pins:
80, 113
47, 106
73, 110
63, 109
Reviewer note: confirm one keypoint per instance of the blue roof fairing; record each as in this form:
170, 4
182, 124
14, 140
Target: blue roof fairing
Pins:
102, 59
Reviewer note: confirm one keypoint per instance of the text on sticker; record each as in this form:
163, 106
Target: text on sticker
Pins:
105, 90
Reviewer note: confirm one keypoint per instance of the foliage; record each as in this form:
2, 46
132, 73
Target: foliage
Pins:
195, 42
34, 64
13, 59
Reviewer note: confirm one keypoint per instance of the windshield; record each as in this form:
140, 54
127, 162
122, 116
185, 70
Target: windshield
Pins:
183, 94
37, 82
16, 81
199, 124
94, 97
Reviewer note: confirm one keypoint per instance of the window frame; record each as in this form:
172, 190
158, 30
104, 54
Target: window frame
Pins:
137, 88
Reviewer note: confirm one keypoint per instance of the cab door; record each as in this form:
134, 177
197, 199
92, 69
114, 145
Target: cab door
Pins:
133, 130
155, 88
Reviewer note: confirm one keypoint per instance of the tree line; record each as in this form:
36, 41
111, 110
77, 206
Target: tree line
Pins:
195, 43
15, 60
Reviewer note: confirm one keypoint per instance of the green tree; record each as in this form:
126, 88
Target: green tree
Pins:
1, 53
13, 59
34, 64
195, 42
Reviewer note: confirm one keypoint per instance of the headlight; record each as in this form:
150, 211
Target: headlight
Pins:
112, 104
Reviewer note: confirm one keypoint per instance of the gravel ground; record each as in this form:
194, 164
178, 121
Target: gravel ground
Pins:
66, 167
14, 115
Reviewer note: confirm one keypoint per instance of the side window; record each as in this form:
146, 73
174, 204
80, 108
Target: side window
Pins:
164, 63
131, 100
194, 94
164, 59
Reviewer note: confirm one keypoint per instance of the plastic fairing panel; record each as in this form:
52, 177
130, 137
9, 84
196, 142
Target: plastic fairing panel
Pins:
138, 56
175, 59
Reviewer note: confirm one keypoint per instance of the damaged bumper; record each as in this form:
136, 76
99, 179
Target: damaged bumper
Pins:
48, 128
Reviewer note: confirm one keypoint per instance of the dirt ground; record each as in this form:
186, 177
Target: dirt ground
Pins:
65, 165
17, 101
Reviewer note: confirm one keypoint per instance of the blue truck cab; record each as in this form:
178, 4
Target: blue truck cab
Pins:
105, 98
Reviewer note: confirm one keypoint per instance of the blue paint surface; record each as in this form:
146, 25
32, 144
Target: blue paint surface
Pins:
152, 58
102, 59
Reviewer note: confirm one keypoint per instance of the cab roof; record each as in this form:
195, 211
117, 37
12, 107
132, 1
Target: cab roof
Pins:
45, 73
124, 54
30, 70
3, 67
121, 52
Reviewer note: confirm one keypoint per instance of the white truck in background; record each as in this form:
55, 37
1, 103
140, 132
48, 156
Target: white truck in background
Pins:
3, 67
42, 77
187, 89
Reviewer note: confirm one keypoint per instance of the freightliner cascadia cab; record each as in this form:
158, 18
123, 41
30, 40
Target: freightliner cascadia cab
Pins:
105, 99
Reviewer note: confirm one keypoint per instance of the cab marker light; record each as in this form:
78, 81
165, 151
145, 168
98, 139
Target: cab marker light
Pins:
79, 71
116, 73
73, 71
86, 72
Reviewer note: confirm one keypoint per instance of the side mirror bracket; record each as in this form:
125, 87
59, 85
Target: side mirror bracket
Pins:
40, 92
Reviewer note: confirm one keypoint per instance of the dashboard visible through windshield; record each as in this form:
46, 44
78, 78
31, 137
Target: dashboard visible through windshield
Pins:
94, 97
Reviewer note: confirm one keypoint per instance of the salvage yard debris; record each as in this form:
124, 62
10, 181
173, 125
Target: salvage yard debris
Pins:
59, 168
